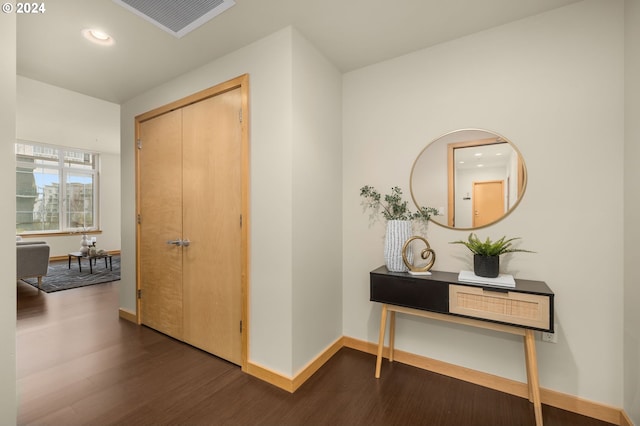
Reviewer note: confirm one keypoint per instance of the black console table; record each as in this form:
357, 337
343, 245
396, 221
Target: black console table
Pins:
519, 310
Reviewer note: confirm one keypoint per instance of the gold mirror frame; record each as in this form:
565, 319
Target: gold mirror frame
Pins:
435, 167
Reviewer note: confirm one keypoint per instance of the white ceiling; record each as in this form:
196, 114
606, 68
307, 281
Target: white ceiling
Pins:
350, 33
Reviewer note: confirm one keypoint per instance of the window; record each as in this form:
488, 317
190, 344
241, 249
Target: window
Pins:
56, 189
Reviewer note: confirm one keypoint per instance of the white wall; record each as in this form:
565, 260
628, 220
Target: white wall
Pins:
273, 183
49, 114
8, 403
317, 202
632, 212
555, 82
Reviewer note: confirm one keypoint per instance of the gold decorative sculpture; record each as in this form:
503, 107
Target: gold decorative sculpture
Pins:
427, 254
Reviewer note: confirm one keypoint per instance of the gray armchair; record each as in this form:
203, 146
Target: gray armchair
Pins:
32, 259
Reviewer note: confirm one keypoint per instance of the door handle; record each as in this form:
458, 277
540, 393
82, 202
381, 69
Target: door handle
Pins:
183, 243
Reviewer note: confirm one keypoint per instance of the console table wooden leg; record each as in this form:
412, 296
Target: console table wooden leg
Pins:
383, 327
532, 374
527, 367
392, 334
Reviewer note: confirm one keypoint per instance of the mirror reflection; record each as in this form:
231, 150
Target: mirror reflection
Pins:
474, 178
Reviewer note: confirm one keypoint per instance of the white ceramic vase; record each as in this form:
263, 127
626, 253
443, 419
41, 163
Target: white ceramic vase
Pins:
398, 232
84, 245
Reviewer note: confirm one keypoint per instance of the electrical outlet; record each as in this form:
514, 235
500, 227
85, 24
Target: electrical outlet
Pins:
550, 337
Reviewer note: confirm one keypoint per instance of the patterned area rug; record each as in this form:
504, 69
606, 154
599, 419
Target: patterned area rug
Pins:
61, 277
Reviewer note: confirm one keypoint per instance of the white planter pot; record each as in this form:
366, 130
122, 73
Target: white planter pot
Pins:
398, 232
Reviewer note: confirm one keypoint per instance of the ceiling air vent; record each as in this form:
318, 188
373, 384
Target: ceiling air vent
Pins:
177, 17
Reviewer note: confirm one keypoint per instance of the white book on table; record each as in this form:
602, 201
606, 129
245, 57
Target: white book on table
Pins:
502, 280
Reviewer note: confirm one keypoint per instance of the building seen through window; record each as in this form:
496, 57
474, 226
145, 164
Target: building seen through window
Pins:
56, 189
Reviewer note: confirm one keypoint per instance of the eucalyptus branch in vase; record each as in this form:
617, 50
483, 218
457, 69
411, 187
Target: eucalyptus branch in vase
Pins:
393, 208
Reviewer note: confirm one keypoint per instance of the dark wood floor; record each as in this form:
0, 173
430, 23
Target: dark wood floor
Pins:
79, 364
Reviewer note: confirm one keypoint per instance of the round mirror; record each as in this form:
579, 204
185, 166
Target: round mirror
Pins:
473, 177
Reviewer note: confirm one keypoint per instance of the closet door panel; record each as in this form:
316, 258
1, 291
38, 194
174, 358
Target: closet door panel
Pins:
160, 208
211, 222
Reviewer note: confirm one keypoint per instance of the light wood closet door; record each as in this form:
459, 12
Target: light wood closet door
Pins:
160, 208
211, 221
190, 193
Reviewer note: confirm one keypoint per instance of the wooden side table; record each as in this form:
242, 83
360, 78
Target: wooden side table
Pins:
440, 296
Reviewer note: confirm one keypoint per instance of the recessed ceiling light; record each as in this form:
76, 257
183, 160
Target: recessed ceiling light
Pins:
97, 36
478, 154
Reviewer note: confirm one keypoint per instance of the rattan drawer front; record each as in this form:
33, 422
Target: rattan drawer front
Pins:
510, 307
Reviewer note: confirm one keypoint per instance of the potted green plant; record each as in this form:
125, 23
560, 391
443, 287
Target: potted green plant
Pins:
486, 254
398, 216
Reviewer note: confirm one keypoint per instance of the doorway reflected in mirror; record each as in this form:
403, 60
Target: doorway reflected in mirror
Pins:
476, 178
